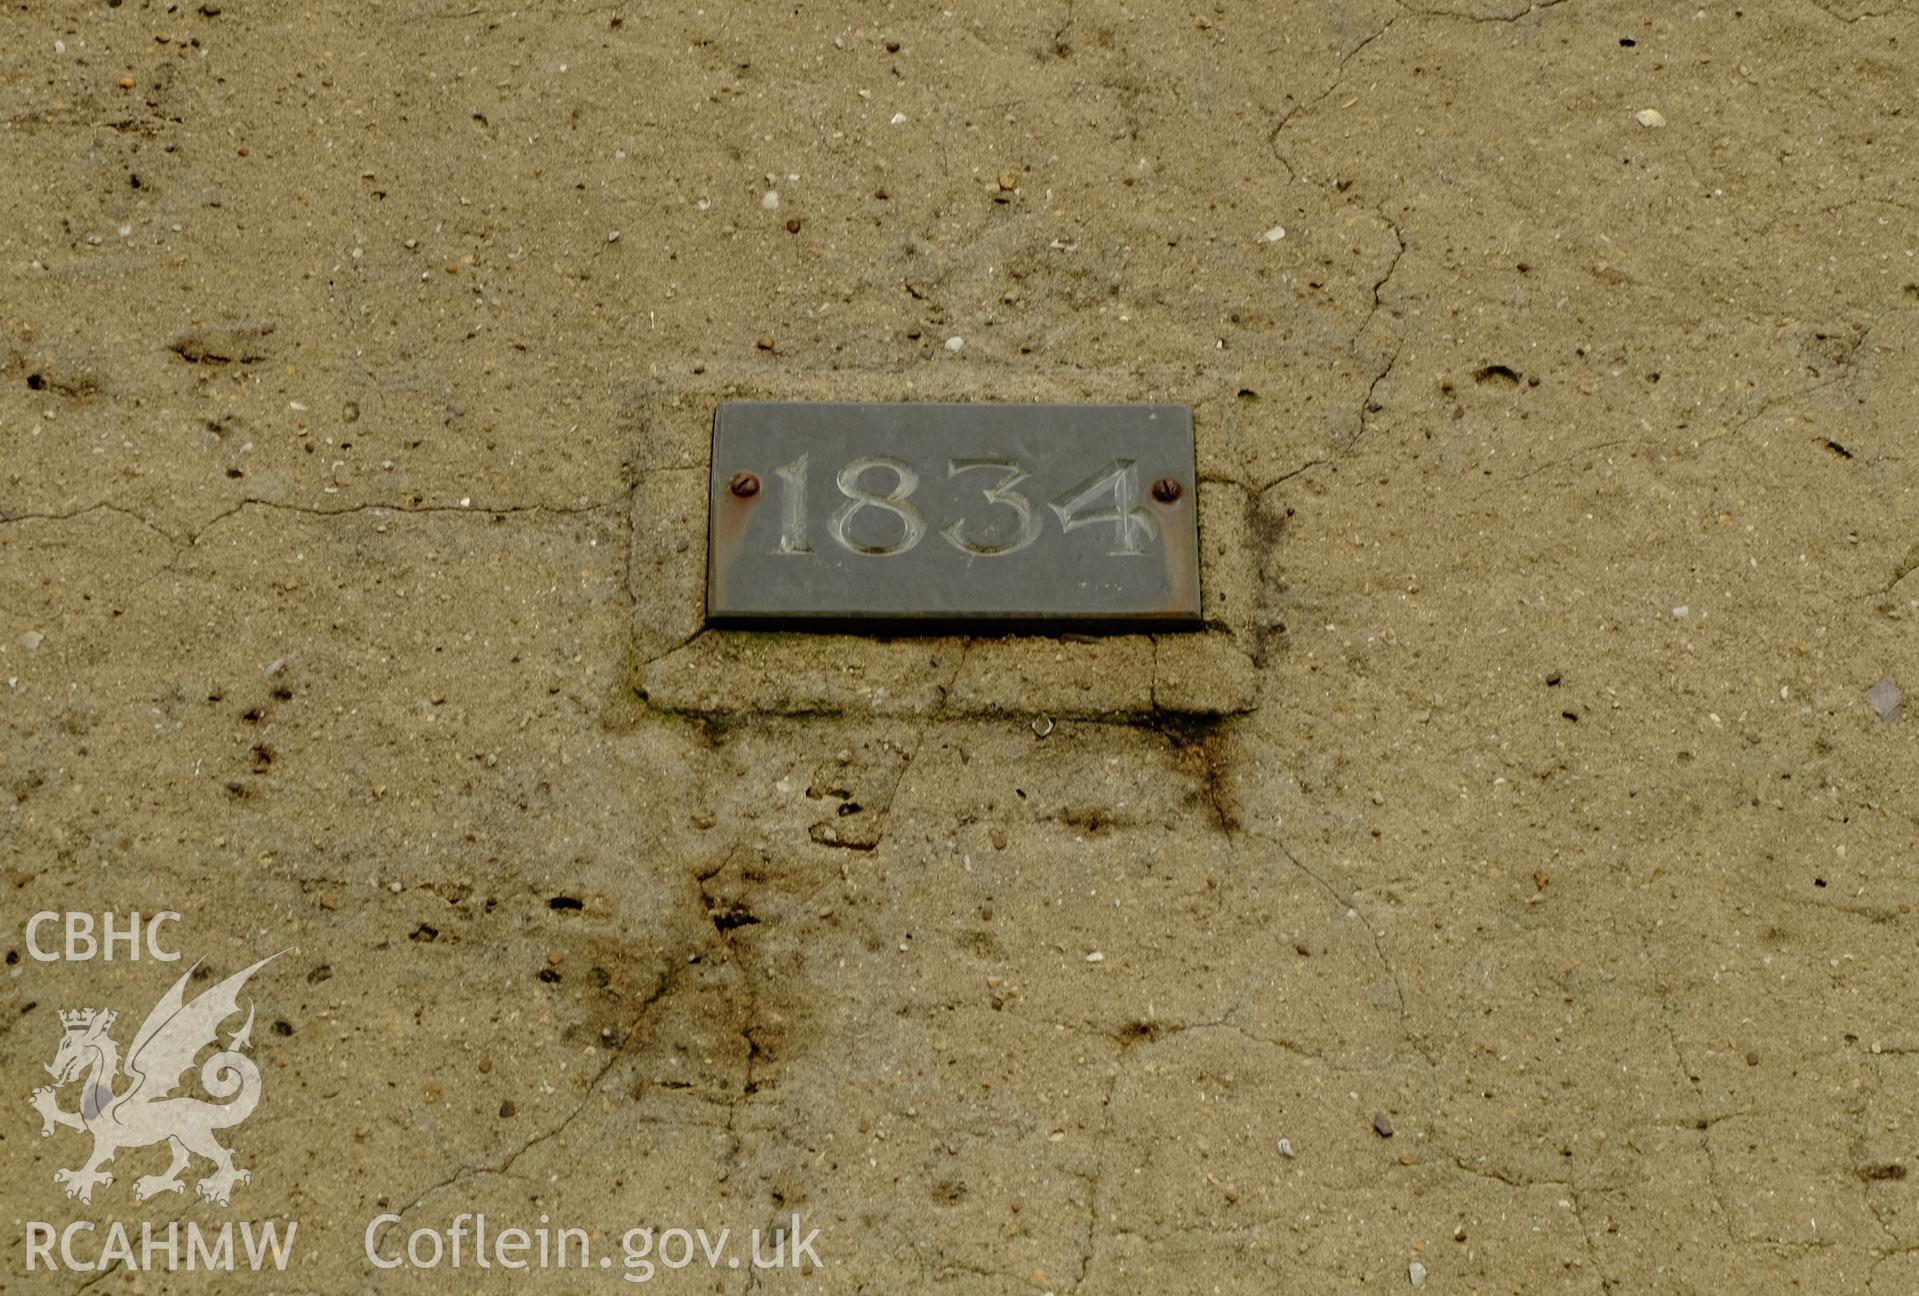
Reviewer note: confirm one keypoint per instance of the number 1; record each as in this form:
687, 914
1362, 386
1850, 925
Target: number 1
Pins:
793, 508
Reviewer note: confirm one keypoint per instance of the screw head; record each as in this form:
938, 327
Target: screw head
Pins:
1166, 490
743, 484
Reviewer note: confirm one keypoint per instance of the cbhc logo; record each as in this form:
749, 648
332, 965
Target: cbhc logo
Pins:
82, 944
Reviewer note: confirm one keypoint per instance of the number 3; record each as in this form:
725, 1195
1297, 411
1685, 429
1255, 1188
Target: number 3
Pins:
1000, 492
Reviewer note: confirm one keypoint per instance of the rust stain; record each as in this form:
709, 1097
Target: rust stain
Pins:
1180, 525
727, 518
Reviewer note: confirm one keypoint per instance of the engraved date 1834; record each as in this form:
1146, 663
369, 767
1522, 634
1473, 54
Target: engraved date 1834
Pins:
1008, 522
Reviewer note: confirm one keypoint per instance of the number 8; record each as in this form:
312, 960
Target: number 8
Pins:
912, 525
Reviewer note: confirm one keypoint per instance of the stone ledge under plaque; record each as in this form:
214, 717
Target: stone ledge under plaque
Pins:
687, 668
1117, 677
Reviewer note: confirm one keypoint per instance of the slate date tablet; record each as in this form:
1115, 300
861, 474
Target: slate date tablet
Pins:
915, 516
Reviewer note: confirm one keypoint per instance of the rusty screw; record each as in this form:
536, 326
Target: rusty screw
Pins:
743, 484
1166, 490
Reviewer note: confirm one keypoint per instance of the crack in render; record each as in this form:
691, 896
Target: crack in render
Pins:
946, 1265
1882, 1216
1092, 1180
495, 14
1291, 473
631, 495
1061, 45
1399, 237
1574, 457
940, 711
1367, 405
749, 1084
1537, 6
102, 506
1843, 366
192, 538
1713, 1181
660, 990
1158, 1032
882, 808
664, 653
1523, 1182
637, 679
1842, 372
893, 793
1606, 1284
1826, 7
98, 1275
181, 545
1339, 74
558, 510
1858, 1107
1379, 949
506, 1165
1464, 1166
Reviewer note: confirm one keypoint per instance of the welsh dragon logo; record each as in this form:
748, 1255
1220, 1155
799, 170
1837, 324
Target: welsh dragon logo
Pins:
142, 1114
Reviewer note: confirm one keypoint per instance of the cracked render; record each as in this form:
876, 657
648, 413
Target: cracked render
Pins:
1517, 843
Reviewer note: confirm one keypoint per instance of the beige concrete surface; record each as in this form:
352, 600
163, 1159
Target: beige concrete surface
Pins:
1522, 797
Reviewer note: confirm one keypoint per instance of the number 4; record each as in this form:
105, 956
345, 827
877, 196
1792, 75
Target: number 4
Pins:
1120, 479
